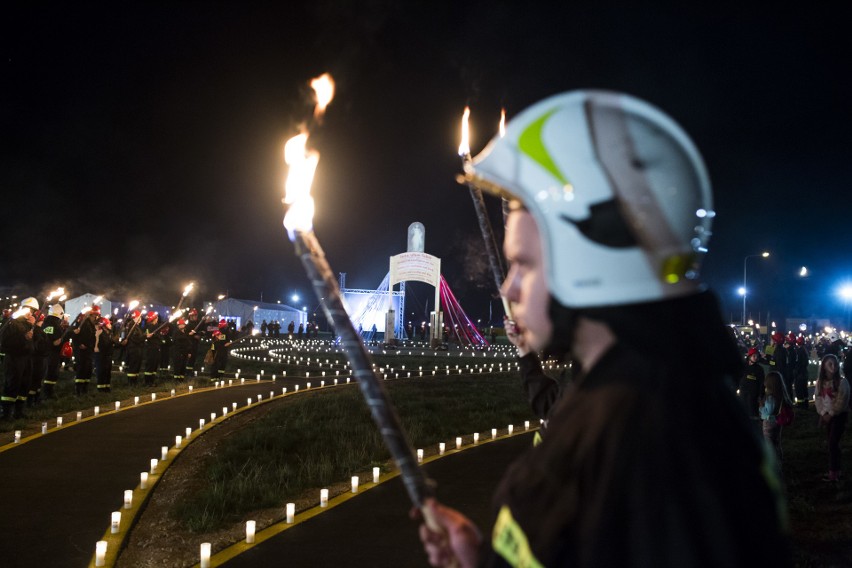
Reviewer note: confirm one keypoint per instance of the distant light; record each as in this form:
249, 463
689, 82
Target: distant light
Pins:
221, 296
751, 322
803, 326
701, 213
803, 271
295, 297
846, 291
764, 254
741, 291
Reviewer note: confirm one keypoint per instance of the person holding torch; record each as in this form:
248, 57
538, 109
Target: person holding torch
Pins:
649, 458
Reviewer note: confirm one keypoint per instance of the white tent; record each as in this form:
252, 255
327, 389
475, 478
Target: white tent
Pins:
241, 311
74, 306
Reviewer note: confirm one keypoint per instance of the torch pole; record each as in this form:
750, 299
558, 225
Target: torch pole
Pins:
490, 241
308, 249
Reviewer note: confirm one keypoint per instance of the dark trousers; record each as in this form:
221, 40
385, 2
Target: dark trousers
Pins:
15, 378
800, 386
134, 364
84, 366
39, 368
836, 427
179, 365
53, 363
105, 373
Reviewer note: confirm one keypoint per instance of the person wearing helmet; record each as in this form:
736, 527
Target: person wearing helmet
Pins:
17, 344
54, 330
104, 345
192, 329
220, 345
133, 342
153, 345
649, 458
84, 343
41, 348
182, 345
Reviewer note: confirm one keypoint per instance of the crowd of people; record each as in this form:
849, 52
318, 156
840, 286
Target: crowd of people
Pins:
37, 342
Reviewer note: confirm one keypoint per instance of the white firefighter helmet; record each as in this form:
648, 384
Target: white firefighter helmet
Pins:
30, 303
56, 310
619, 192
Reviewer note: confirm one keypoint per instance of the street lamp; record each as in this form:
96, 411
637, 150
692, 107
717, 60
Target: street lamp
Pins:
744, 289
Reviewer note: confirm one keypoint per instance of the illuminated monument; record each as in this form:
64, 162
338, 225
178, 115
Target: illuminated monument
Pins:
382, 310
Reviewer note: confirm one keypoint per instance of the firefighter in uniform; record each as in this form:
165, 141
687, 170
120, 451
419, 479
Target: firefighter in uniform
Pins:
54, 330
104, 345
222, 339
153, 343
133, 342
610, 214
192, 326
181, 347
17, 344
41, 348
84, 345
165, 350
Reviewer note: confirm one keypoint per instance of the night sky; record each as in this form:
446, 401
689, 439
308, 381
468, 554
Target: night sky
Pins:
142, 145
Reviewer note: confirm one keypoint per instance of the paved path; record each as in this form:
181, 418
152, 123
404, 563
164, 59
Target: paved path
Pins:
57, 491
373, 530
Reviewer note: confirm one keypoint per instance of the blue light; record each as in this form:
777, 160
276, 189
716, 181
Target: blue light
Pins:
741, 291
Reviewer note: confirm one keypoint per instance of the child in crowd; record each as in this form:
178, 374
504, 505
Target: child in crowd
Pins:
774, 395
831, 399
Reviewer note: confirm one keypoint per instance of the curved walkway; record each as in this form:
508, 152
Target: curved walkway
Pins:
57, 490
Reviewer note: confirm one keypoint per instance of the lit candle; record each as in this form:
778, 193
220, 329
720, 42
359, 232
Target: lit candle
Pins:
17, 436
419, 454
100, 553
115, 522
188, 432
190, 388
354, 484
79, 415
172, 392
248, 402
205, 555
441, 448
234, 405
135, 400
526, 424
154, 463
493, 433
164, 453
44, 427
201, 423
58, 421
143, 480
375, 475
212, 417
284, 390
128, 498
476, 437
97, 410
291, 512
250, 528
323, 497
511, 429
154, 395
259, 397
458, 442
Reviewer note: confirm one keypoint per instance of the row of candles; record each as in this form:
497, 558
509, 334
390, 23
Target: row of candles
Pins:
205, 549
181, 440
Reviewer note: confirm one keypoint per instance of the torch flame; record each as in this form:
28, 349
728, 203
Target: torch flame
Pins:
175, 315
302, 165
19, 313
323, 87
464, 147
188, 289
132, 305
58, 292
98, 300
208, 310
502, 122
86, 310
62, 298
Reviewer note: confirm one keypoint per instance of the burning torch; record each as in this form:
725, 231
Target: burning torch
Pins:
298, 220
481, 212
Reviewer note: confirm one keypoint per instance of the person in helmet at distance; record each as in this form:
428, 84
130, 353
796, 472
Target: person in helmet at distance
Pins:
17, 344
649, 459
55, 332
153, 345
134, 342
84, 344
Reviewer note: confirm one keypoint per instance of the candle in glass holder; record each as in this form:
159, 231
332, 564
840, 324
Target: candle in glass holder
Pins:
100, 553
115, 522
205, 555
250, 529
291, 512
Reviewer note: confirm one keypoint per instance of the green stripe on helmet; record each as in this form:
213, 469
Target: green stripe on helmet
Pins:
531, 144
